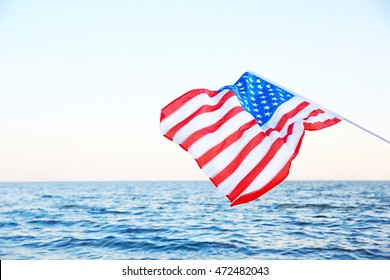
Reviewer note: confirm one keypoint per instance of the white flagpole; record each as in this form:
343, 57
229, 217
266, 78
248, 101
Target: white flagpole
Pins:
330, 111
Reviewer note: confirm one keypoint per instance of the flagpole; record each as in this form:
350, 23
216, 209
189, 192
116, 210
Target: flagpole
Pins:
366, 130
330, 111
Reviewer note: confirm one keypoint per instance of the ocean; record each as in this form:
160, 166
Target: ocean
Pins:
343, 220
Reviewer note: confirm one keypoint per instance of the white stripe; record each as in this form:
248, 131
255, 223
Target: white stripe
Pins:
250, 161
223, 159
204, 120
282, 110
188, 108
297, 118
208, 141
229, 154
278, 161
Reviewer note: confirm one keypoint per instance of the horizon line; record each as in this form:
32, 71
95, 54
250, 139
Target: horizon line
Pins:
187, 180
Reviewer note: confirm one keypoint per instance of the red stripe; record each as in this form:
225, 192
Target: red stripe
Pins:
180, 101
211, 128
203, 109
314, 113
222, 175
283, 173
248, 179
234, 164
232, 138
321, 125
282, 122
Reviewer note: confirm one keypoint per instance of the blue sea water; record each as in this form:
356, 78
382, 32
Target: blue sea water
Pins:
193, 220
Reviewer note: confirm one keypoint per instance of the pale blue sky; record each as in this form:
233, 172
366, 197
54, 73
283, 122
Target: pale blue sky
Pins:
82, 83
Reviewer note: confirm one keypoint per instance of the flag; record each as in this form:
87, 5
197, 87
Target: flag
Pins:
243, 136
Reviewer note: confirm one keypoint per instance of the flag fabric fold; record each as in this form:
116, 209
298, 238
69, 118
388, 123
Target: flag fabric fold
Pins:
243, 136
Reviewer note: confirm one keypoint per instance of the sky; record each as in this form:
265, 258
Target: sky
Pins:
82, 83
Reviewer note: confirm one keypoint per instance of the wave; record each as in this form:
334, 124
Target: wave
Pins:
188, 220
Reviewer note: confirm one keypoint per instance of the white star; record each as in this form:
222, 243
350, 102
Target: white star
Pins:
258, 116
264, 102
256, 110
270, 89
250, 80
239, 84
253, 98
271, 93
259, 121
275, 104
262, 97
268, 114
260, 92
274, 98
258, 81
250, 86
255, 104
259, 86
268, 86
266, 107
252, 92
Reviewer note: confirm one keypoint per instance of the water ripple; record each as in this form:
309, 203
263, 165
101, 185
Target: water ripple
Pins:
191, 220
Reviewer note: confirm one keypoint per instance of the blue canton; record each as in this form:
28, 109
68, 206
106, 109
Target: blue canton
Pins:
259, 97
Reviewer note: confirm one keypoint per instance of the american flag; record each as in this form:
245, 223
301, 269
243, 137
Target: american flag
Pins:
243, 136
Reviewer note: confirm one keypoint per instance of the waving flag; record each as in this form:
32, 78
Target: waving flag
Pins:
243, 136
